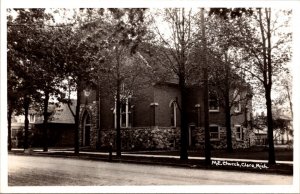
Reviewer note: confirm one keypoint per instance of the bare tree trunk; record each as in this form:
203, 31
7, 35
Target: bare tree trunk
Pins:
45, 123
267, 77
270, 127
118, 115
26, 129
205, 94
9, 116
184, 122
228, 124
118, 106
291, 109
98, 115
227, 107
269, 89
77, 112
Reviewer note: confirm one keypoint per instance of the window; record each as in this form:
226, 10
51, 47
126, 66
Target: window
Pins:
213, 102
126, 111
173, 113
214, 132
237, 103
31, 118
239, 132
86, 130
153, 105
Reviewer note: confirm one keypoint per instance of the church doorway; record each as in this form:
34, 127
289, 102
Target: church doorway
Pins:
86, 129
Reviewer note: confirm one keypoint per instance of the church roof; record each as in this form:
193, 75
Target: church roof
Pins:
62, 114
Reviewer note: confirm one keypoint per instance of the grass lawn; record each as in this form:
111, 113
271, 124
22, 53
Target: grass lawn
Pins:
258, 153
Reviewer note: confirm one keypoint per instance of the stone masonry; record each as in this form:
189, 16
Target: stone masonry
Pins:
153, 138
159, 138
91, 109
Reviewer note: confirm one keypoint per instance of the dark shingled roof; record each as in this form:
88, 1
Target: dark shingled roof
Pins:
62, 113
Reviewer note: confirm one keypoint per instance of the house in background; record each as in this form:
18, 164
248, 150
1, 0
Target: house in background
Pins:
17, 128
60, 127
283, 129
261, 136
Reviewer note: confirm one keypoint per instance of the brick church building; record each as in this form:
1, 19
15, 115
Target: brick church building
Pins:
151, 121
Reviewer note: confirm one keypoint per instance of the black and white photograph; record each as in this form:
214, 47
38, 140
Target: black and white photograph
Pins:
149, 97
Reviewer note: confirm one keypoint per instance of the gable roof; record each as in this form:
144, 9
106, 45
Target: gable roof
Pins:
62, 113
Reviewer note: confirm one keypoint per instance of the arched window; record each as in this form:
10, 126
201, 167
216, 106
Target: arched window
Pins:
86, 129
173, 107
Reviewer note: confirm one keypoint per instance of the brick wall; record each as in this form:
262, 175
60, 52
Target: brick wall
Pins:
142, 112
162, 136
106, 112
163, 95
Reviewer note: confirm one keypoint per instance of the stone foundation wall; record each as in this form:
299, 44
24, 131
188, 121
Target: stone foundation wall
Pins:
198, 139
198, 136
154, 138
158, 138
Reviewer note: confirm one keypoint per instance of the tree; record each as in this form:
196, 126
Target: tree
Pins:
40, 51
13, 85
283, 105
265, 44
227, 80
14, 104
205, 93
127, 30
283, 87
95, 37
78, 69
177, 49
23, 67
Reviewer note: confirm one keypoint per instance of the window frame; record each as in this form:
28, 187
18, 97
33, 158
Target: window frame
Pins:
214, 139
237, 101
210, 100
173, 106
31, 118
239, 137
127, 112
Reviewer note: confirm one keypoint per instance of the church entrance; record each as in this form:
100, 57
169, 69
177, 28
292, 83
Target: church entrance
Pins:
86, 129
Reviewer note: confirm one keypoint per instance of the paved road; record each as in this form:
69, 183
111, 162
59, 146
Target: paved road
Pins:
50, 171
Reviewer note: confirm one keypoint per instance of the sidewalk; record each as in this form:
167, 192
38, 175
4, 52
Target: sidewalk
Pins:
250, 165
160, 156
